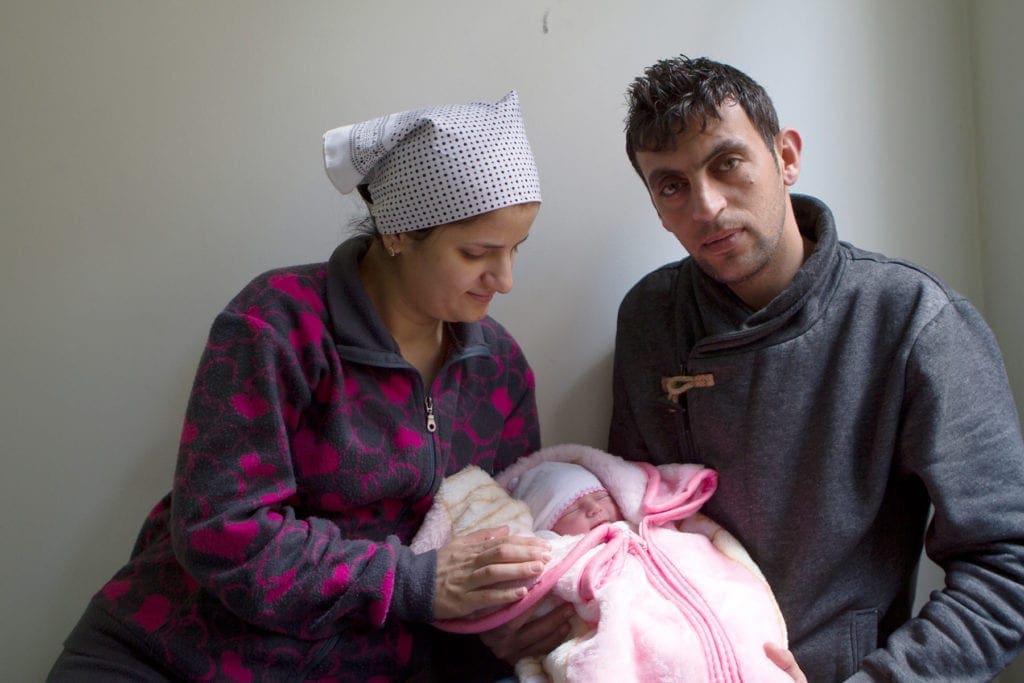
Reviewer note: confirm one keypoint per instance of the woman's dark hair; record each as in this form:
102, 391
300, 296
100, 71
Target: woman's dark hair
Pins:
365, 225
680, 92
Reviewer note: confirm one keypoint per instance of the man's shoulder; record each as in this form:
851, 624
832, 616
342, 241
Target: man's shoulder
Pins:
656, 285
894, 277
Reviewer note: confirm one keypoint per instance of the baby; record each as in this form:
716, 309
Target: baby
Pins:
661, 592
565, 498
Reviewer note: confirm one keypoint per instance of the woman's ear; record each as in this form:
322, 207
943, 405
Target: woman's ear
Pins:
788, 146
390, 244
394, 244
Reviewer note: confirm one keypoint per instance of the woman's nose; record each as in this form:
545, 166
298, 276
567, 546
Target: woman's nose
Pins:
501, 275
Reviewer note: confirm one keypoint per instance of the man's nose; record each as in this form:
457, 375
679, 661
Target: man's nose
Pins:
708, 201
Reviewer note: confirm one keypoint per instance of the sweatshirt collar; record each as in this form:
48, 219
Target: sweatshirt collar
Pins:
355, 322
729, 322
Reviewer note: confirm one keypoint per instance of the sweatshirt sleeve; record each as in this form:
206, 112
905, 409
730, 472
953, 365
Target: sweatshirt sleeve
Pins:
961, 437
234, 519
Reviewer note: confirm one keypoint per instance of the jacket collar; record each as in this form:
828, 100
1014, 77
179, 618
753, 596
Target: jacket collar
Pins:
728, 322
358, 330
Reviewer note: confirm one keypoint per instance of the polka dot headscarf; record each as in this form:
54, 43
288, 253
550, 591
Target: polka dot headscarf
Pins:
437, 165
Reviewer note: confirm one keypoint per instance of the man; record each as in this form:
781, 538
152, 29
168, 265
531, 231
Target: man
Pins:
840, 395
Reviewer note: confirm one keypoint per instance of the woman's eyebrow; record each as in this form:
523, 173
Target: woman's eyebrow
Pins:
493, 245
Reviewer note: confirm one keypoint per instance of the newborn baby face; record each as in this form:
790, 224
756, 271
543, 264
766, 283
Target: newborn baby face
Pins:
586, 512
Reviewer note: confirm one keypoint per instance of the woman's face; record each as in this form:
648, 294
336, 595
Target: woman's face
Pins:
454, 272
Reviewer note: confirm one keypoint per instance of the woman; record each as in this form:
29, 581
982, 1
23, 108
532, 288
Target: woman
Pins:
329, 404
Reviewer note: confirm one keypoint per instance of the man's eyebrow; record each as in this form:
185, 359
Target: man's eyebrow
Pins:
657, 174
721, 147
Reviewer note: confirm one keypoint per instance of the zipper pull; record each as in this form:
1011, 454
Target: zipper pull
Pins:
431, 422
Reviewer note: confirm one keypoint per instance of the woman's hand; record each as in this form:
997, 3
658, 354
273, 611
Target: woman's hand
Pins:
474, 572
785, 660
528, 634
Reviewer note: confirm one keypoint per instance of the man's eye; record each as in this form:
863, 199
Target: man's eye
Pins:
729, 164
670, 187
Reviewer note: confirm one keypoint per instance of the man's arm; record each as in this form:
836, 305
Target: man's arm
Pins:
961, 437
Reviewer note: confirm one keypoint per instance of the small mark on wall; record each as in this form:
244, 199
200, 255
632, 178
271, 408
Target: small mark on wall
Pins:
544, 23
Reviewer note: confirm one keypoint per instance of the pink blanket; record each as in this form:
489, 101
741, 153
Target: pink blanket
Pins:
667, 595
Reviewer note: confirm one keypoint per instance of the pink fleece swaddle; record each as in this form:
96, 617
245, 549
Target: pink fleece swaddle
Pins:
666, 595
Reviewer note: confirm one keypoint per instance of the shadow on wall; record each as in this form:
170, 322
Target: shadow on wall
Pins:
583, 413
107, 536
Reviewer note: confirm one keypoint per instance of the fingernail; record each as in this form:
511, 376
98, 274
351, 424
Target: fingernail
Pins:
546, 557
536, 567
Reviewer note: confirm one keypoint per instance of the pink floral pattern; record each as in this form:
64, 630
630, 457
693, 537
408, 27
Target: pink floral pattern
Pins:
304, 467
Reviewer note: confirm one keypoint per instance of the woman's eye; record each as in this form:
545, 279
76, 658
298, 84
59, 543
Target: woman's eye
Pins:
472, 255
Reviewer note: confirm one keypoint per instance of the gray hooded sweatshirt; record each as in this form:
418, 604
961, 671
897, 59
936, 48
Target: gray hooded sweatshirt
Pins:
863, 396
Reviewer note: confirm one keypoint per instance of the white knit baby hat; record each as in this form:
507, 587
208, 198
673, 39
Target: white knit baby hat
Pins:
549, 488
427, 167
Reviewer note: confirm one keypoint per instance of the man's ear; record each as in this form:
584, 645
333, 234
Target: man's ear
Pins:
788, 146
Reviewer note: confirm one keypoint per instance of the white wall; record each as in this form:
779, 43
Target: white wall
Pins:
998, 56
155, 156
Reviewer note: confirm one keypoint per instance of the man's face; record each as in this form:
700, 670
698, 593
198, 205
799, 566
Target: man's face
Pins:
722, 193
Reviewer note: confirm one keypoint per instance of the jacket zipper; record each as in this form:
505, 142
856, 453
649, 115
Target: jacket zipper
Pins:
431, 422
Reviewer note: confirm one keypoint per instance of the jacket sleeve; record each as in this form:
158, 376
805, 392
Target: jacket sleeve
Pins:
234, 521
961, 437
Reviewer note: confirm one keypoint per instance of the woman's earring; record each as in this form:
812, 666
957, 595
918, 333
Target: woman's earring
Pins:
391, 251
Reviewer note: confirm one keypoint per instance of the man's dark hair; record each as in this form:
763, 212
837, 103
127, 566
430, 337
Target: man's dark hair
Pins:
677, 93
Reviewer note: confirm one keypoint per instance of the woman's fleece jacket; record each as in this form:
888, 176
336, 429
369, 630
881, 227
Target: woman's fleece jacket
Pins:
864, 392
310, 452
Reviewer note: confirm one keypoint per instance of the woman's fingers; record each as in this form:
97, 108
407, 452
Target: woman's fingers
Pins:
474, 572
